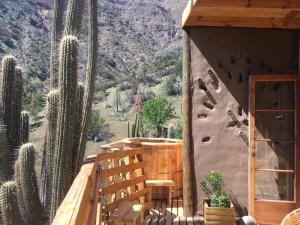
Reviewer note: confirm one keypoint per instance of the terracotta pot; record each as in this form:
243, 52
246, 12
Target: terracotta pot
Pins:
218, 216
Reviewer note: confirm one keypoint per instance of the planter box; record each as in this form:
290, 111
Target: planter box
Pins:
218, 216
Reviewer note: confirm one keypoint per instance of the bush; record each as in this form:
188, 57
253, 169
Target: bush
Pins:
178, 130
156, 112
220, 200
98, 129
212, 185
171, 86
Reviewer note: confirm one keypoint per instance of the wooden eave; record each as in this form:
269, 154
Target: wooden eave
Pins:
243, 13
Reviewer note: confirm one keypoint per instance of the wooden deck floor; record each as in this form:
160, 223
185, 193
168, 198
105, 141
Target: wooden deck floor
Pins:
163, 215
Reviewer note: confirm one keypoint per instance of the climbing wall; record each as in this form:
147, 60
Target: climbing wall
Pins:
222, 61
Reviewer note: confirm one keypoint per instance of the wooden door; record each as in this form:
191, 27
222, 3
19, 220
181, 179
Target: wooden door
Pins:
273, 145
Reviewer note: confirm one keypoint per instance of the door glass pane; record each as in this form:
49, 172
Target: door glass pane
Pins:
275, 155
279, 152
275, 125
275, 95
274, 186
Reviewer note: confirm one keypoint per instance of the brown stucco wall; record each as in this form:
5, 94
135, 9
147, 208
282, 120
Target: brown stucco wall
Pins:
232, 54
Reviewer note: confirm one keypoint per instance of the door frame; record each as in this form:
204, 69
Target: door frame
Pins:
274, 205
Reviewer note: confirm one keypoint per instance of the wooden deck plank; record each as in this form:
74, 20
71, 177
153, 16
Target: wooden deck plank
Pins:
163, 212
198, 220
155, 216
180, 206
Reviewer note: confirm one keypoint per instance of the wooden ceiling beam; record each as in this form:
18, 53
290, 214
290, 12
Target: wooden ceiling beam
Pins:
290, 17
243, 22
243, 13
280, 4
240, 12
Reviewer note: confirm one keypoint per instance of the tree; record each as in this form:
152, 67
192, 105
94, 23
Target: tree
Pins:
156, 112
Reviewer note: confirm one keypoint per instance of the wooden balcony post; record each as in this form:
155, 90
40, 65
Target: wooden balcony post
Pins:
187, 150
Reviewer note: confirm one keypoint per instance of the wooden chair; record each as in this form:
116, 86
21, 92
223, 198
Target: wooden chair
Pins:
293, 218
123, 193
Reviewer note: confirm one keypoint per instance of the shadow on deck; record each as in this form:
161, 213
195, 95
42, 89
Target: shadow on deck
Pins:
161, 214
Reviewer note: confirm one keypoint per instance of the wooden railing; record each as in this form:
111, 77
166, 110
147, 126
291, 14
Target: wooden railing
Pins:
81, 205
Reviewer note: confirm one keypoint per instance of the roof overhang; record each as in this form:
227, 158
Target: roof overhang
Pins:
243, 13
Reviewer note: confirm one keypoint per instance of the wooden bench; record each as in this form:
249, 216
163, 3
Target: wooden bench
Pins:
162, 183
124, 195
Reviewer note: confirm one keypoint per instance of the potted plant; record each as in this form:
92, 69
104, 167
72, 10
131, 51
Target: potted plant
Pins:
217, 209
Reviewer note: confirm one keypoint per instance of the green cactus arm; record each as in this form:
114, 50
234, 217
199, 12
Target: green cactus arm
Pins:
74, 17
78, 126
49, 149
17, 108
128, 130
24, 127
63, 155
27, 189
90, 75
7, 81
171, 131
9, 208
5, 155
57, 29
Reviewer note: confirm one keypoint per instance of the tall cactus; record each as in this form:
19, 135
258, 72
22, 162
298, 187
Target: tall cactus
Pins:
74, 17
27, 189
57, 27
10, 213
17, 108
171, 131
62, 176
5, 155
7, 87
90, 76
49, 148
78, 124
24, 127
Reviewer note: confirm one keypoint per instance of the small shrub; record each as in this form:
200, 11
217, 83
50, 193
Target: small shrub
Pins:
212, 185
156, 112
178, 130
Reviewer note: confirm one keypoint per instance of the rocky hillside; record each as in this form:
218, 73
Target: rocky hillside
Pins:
133, 35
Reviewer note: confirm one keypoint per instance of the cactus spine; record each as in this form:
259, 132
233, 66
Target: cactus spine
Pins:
74, 17
57, 26
49, 148
90, 76
78, 124
27, 189
62, 176
24, 127
17, 108
6, 104
5, 154
10, 213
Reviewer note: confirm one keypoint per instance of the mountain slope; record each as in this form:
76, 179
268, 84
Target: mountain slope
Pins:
132, 34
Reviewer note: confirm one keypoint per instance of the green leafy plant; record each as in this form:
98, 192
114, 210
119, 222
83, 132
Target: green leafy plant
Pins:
212, 185
178, 130
220, 200
156, 112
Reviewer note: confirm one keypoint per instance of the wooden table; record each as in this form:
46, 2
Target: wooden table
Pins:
162, 183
